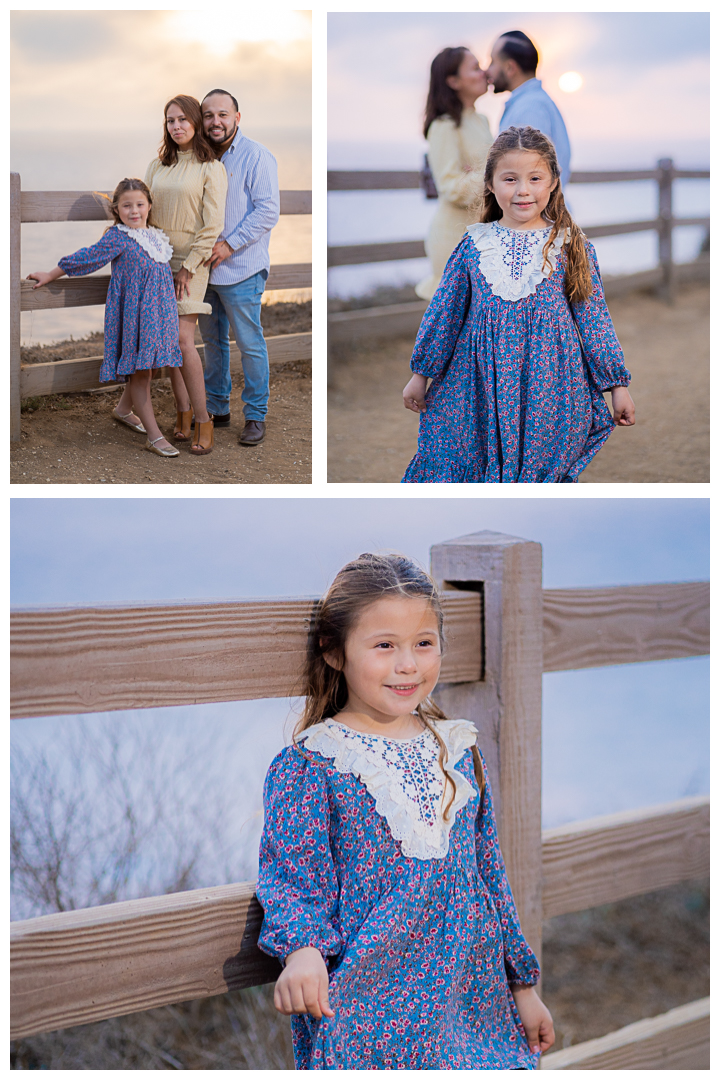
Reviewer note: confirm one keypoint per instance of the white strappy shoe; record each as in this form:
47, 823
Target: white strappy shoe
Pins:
170, 452
123, 419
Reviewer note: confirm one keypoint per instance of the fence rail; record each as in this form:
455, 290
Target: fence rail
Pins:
503, 630
46, 206
380, 321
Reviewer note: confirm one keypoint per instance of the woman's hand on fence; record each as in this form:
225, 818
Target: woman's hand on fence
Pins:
536, 1019
303, 985
44, 278
623, 406
414, 394
182, 283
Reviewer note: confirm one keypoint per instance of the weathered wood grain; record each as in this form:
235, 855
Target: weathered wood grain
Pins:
679, 1039
625, 625
619, 855
69, 376
86, 291
79, 660
506, 705
91, 206
81, 966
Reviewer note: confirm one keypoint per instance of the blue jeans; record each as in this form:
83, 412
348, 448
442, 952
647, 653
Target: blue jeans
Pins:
237, 305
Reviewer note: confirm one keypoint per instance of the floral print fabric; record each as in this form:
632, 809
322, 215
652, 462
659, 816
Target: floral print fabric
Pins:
512, 398
420, 952
141, 319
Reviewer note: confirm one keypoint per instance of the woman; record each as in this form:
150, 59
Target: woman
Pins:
188, 186
458, 142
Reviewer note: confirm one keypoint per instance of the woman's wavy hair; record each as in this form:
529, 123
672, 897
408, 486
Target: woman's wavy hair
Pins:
359, 584
129, 183
168, 150
442, 100
578, 283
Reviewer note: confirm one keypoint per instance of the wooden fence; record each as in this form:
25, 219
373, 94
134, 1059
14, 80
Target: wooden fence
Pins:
68, 376
504, 630
405, 318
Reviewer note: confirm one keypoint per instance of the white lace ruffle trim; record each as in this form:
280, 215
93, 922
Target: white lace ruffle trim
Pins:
511, 260
152, 240
418, 839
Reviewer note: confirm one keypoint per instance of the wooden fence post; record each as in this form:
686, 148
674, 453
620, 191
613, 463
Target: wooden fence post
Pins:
15, 307
665, 216
506, 704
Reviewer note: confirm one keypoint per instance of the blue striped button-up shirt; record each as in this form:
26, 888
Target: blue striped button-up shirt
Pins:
531, 106
251, 210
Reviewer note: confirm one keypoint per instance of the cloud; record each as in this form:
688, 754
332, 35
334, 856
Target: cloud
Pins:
116, 70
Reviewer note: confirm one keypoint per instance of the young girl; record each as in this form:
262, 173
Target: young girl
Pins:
517, 339
381, 877
141, 320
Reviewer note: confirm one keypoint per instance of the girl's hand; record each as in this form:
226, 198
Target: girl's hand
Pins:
182, 282
44, 278
414, 394
623, 406
536, 1019
303, 985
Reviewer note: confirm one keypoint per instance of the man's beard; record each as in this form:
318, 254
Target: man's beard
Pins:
225, 138
499, 86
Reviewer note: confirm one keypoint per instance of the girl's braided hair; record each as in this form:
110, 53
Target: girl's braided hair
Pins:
363, 581
578, 283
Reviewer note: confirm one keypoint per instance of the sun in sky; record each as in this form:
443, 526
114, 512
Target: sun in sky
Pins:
221, 37
570, 82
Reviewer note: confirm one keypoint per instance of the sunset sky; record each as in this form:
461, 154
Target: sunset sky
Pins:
645, 77
107, 75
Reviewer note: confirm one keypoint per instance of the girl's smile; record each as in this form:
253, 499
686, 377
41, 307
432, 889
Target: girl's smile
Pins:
133, 209
391, 664
522, 183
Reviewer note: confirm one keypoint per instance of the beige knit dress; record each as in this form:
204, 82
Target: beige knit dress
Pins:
189, 206
449, 149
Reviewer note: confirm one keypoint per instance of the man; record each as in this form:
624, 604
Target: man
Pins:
513, 63
239, 268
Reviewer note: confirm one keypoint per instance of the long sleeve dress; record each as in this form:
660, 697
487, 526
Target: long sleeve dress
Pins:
413, 914
513, 399
141, 322
189, 204
450, 149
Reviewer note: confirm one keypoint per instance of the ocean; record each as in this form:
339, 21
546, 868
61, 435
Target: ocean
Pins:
365, 217
92, 161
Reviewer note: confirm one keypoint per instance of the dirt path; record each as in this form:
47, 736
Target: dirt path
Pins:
71, 438
371, 437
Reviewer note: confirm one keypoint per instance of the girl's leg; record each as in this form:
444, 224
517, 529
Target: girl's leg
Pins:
139, 384
124, 406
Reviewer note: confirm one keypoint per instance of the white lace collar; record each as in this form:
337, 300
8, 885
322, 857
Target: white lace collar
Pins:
511, 260
404, 778
152, 240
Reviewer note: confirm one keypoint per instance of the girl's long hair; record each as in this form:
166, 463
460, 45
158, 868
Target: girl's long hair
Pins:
360, 583
578, 283
442, 100
129, 183
200, 146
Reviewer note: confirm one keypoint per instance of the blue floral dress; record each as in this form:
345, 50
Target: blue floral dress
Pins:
512, 398
413, 913
141, 314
